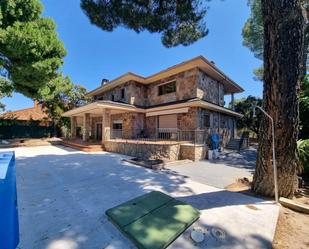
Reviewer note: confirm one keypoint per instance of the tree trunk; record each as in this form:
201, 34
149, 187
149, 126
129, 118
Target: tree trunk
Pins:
283, 57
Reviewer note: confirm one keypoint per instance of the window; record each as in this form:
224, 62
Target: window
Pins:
117, 126
206, 120
113, 97
122, 93
167, 88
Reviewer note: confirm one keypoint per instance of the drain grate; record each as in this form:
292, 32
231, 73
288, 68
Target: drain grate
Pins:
218, 234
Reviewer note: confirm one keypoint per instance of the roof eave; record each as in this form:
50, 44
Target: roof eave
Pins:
195, 62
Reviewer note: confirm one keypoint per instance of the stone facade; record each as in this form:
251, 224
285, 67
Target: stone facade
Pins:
132, 123
193, 152
209, 89
188, 121
165, 152
151, 125
186, 85
134, 94
190, 84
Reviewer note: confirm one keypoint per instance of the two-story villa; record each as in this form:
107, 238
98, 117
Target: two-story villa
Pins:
181, 105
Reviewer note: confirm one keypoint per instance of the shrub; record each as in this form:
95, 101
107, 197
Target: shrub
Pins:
303, 154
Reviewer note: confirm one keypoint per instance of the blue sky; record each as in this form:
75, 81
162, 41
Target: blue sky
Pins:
93, 54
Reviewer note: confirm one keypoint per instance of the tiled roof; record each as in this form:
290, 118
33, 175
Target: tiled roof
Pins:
35, 113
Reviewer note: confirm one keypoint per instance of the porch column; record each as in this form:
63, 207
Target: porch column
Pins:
86, 126
233, 102
73, 127
106, 129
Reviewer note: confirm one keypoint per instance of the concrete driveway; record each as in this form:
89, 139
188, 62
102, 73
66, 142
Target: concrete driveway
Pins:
63, 195
220, 172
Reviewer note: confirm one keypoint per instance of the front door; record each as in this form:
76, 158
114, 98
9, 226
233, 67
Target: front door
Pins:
99, 131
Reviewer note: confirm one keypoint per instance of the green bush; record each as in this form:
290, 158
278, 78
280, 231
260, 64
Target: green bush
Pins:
303, 154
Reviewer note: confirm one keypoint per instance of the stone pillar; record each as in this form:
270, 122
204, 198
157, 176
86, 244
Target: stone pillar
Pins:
86, 126
73, 127
106, 121
233, 102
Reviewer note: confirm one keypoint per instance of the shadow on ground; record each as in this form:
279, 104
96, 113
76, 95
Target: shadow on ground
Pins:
245, 159
63, 195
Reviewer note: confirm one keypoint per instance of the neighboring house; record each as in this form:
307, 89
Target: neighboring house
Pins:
182, 105
24, 116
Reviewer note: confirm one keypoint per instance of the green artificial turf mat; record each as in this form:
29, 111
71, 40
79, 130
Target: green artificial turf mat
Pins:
136, 208
156, 228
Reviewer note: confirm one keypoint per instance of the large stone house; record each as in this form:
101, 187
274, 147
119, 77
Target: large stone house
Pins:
180, 106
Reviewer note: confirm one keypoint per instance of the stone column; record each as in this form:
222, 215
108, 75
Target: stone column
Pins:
86, 126
73, 127
232, 101
106, 129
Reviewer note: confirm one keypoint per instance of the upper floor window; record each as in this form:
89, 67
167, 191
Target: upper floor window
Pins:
122, 93
167, 88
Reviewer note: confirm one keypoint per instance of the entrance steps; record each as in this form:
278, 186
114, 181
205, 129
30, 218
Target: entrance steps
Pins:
86, 147
233, 144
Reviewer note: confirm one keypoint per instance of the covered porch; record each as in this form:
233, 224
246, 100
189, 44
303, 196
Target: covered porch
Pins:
103, 121
93, 123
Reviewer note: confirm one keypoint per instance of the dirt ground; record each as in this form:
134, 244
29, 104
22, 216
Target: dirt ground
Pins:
292, 230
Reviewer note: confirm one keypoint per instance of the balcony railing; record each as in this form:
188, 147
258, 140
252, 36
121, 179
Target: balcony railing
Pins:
163, 134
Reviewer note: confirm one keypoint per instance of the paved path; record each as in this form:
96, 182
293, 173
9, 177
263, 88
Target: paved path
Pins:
63, 195
221, 172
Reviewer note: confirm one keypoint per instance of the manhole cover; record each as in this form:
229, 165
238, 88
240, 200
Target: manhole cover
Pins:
219, 234
199, 234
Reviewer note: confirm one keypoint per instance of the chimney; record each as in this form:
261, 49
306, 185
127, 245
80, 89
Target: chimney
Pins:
36, 104
104, 81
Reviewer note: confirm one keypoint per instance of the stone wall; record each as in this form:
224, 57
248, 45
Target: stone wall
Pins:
135, 94
165, 152
209, 89
132, 123
186, 83
194, 153
188, 121
220, 123
151, 125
